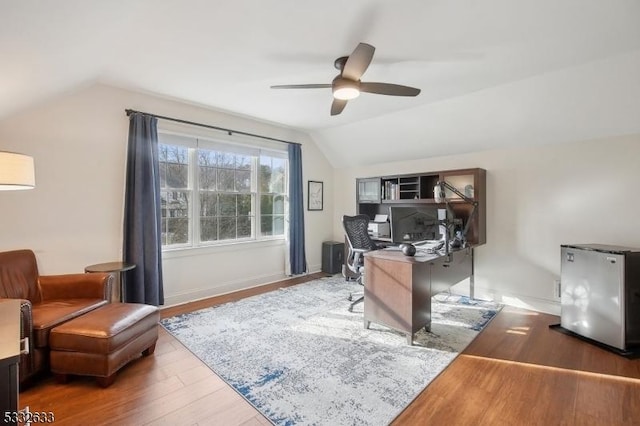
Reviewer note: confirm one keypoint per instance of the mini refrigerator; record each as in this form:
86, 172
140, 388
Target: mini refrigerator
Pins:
600, 297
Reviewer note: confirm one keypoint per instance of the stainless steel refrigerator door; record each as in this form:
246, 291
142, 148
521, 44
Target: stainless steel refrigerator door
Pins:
592, 301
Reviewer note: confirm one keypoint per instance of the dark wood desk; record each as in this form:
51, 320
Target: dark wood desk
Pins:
117, 269
9, 355
398, 288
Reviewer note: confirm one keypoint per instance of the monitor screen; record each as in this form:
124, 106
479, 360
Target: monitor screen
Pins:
411, 224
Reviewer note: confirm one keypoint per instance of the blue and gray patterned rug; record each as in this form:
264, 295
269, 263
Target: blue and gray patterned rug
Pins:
300, 357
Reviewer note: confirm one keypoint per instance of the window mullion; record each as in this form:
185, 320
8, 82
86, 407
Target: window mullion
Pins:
194, 184
255, 194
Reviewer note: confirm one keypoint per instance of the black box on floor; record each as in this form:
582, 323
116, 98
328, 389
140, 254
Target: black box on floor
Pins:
332, 257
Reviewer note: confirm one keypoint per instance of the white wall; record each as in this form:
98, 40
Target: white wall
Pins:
73, 217
537, 199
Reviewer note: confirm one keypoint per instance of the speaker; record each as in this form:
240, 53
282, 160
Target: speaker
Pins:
332, 257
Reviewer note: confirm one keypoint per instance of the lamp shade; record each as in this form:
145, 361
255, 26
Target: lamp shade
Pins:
16, 171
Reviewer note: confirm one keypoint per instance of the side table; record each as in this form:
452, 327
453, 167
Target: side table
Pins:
117, 269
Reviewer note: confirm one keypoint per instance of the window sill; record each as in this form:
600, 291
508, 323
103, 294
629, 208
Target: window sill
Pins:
169, 253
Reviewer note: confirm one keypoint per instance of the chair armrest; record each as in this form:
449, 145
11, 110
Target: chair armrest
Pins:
75, 286
354, 260
26, 320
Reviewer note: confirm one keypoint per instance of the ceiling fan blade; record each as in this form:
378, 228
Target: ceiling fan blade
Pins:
358, 61
389, 89
337, 106
302, 86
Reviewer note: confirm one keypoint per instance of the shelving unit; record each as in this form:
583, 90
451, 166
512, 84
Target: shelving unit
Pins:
376, 194
409, 188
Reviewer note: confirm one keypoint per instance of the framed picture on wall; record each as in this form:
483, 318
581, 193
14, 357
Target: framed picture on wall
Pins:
314, 200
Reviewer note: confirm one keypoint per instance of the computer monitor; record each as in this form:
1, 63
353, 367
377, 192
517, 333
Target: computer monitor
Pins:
411, 224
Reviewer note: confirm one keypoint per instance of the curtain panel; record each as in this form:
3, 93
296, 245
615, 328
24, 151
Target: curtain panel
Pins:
142, 218
297, 256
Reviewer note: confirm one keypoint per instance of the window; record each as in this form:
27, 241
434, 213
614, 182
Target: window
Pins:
214, 192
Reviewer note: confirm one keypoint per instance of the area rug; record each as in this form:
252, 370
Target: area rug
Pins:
300, 357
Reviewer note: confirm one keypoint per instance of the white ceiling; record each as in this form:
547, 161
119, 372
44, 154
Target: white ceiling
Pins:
493, 73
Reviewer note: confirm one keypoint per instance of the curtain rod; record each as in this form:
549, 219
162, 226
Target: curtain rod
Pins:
229, 131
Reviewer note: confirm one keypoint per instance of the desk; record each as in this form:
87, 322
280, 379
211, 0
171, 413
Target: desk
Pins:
117, 269
398, 288
9, 354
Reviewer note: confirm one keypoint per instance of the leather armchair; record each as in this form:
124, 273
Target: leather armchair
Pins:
46, 302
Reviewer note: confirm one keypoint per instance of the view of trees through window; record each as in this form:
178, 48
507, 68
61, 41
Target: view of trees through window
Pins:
211, 196
175, 194
272, 195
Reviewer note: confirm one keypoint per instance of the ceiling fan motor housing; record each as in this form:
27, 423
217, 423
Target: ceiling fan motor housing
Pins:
339, 63
344, 88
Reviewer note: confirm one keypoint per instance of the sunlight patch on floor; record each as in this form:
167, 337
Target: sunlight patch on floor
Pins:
557, 370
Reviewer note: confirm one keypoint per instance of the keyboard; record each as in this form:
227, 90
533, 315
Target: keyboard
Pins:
427, 243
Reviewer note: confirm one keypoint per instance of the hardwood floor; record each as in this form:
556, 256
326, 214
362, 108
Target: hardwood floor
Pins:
517, 371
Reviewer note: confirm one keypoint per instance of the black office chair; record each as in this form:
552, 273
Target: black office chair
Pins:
355, 227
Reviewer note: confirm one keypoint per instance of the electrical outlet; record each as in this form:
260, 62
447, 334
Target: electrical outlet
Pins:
557, 289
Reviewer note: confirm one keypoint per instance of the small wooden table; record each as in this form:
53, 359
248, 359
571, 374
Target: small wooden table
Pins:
117, 269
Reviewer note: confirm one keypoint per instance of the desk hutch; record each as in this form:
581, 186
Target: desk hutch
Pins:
398, 288
376, 194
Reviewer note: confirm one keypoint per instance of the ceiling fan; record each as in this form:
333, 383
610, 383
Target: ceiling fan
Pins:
347, 84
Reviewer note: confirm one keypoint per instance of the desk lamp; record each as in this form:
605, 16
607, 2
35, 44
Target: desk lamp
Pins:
440, 197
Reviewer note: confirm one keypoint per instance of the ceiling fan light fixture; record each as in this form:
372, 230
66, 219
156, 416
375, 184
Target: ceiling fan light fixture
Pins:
346, 93
345, 90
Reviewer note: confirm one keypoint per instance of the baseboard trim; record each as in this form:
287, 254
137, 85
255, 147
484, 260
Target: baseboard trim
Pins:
226, 288
221, 289
512, 299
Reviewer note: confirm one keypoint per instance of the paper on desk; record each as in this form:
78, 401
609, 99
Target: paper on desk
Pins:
380, 218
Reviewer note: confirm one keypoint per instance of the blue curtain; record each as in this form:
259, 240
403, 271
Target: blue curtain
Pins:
297, 256
142, 221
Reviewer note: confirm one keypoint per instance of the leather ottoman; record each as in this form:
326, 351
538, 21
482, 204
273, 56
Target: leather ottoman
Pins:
102, 341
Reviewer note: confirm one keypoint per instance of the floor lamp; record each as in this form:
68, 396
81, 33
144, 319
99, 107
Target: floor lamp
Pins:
16, 171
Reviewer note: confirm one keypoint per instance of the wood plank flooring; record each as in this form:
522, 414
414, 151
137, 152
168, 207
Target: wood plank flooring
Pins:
517, 371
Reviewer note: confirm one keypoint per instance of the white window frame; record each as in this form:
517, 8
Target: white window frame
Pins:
255, 150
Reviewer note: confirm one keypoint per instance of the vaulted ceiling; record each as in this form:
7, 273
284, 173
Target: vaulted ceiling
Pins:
493, 73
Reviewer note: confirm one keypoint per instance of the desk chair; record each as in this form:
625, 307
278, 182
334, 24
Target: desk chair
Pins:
355, 228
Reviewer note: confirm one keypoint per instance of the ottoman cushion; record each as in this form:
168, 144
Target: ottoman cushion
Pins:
104, 330
102, 341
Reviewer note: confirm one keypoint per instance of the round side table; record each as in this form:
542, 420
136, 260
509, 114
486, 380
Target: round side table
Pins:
117, 269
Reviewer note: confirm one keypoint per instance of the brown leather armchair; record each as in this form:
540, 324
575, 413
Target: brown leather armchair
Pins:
46, 302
